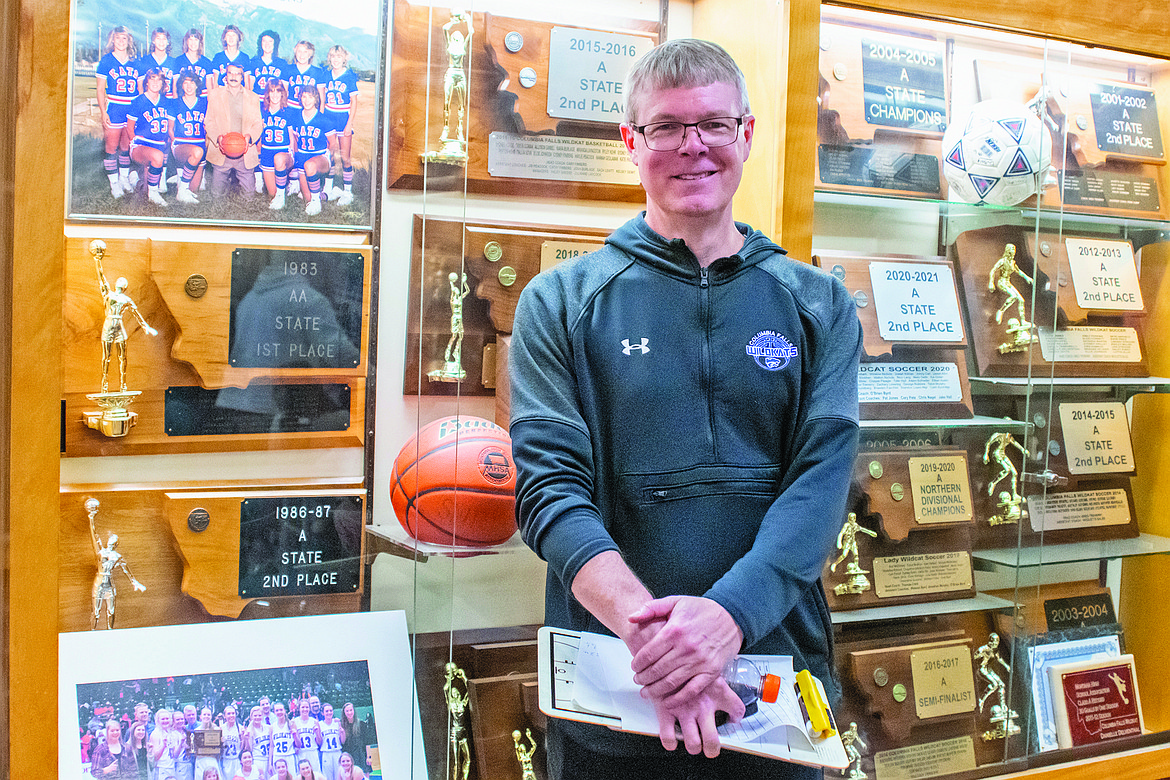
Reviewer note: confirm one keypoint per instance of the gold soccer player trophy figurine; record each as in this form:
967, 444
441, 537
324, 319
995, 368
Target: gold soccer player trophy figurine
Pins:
452, 370
456, 728
109, 559
1019, 330
1011, 504
851, 740
453, 149
1002, 719
847, 544
114, 419
524, 754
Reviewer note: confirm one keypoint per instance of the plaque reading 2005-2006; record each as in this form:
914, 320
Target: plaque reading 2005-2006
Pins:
296, 309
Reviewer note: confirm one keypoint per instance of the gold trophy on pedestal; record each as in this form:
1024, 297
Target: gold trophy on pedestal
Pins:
1003, 719
460, 749
524, 754
453, 140
114, 419
452, 370
109, 559
847, 544
1011, 503
1020, 331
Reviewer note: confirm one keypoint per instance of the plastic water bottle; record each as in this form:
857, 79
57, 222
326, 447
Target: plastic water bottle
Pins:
750, 684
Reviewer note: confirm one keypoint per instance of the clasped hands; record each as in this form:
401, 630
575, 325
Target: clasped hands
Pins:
680, 646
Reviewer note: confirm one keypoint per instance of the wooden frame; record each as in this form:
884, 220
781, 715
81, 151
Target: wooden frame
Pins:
781, 42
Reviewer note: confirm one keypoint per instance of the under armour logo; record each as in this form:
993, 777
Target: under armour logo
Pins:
644, 347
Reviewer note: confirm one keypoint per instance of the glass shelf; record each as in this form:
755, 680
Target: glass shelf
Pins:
979, 603
1076, 552
978, 421
393, 539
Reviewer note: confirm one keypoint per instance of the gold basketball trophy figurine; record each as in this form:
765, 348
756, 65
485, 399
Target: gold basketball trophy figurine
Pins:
847, 544
1003, 720
524, 754
456, 728
109, 559
1019, 330
452, 370
1011, 504
453, 141
851, 739
114, 419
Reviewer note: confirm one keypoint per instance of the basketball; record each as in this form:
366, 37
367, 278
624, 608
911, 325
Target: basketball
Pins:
233, 144
454, 483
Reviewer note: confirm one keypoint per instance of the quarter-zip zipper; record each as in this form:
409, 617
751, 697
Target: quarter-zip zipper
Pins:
705, 320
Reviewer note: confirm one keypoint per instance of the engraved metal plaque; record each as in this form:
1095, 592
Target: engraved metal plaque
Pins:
883, 169
587, 72
905, 83
258, 408
561, 158
299, 545
296, 309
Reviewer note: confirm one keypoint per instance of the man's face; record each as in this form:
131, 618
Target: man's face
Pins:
142, 713
693, 180
234, 77
189, 715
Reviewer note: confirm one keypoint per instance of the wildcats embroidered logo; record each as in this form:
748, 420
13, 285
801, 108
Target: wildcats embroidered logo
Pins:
771, 350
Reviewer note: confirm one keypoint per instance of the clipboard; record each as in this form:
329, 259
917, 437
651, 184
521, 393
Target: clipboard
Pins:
586, 677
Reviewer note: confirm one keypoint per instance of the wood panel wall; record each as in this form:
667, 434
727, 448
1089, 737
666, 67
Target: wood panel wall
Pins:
34, 413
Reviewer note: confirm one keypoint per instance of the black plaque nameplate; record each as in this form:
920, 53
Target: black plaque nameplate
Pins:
1094, 609
296, 309
1126, 119
1110, 189
905, 85
896, 439
257, 408
884, 169
299, 545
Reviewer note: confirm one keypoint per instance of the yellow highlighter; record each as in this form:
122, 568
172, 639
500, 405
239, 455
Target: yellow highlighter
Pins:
817, 716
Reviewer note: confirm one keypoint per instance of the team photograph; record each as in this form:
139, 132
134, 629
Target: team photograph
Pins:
311, 722
216, 112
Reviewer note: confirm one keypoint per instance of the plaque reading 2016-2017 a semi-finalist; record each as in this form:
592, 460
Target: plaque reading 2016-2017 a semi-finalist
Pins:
296, 309
299, 545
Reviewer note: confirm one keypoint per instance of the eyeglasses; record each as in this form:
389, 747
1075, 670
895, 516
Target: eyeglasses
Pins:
668, 136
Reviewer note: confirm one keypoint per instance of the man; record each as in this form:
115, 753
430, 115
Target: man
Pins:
233, 109
684, 422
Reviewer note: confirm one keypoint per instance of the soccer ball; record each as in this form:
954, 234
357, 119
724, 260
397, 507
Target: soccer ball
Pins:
995, 153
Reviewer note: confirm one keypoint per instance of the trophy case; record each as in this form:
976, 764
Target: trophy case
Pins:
1009, 287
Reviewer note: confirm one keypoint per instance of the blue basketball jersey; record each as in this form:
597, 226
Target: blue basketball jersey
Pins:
121, 78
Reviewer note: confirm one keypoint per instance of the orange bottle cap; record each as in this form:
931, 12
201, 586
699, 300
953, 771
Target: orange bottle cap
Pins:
770, 689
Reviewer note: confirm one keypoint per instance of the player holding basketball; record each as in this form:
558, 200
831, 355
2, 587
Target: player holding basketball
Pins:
340, 94
684, 423
117, 86
311, 131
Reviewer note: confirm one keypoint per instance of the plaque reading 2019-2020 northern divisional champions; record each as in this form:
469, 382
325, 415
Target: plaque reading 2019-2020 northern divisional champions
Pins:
296, 309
